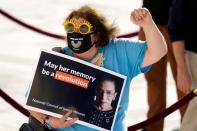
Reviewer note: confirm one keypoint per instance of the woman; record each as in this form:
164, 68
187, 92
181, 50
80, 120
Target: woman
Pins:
102, 112
90, 38
105, 95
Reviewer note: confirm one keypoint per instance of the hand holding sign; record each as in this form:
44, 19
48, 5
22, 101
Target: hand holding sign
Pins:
62, 122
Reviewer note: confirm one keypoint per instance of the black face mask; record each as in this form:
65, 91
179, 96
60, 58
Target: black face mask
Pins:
79, 43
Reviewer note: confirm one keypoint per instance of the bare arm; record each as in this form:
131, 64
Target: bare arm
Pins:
183, 76
156, 43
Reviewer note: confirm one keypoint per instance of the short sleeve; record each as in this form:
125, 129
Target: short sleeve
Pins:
131, 55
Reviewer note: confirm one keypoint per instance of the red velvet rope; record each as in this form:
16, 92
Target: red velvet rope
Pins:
30, 26
13, 103
164, 113
35, 29
135, 127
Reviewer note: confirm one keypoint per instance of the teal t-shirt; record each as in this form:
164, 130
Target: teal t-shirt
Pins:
123, 56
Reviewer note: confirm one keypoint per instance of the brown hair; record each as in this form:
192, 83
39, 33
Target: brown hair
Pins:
99, 22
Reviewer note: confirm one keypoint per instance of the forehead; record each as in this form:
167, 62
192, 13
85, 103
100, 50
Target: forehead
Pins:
108, 85
78, 20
